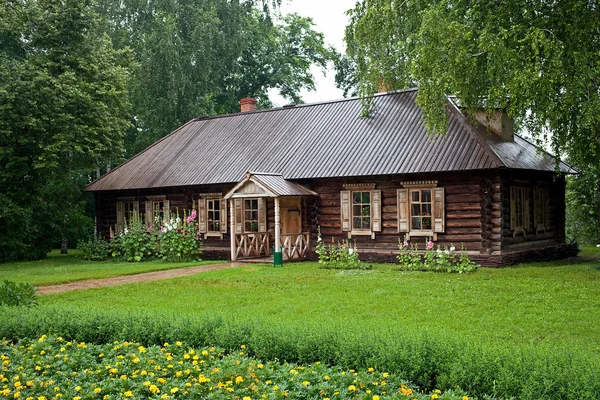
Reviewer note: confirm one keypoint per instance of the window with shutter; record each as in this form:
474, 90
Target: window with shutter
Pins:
519, 210
541, 214
421, 210
212, 214
126, 211
360, 212
255, 215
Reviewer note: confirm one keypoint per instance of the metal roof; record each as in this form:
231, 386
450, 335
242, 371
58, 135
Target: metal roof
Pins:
320, 140
274, 185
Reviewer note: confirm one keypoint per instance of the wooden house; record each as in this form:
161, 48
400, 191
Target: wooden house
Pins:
271, 177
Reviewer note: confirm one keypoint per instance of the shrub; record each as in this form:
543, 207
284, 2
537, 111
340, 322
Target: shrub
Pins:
94, 249
438, 260
135, 243
431, 361
17, 294
179, 240
342, 255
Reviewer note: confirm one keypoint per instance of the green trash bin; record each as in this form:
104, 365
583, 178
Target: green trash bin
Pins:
278, 257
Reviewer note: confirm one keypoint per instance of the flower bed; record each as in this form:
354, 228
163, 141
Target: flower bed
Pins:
52, 368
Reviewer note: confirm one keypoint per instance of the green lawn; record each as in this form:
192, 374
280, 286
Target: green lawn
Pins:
57, 268
555, 303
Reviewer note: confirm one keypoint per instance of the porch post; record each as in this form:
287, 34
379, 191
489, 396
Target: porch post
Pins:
277, 226
232, 230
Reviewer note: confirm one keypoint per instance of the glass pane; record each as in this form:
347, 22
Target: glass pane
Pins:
356, 210
426, 208
216, 204
255, 215
426, 223
366, 223
247, 204
415, 196
216, 215
356, 222
255, 204
355, 197
416, 223
366, 197
248, 215
416, 209
426, 196
248, 224
366, 211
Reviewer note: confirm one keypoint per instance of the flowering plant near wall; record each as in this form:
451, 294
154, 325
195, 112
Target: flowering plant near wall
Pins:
134, 242
341, 255
437, 259
179, 239
176, 239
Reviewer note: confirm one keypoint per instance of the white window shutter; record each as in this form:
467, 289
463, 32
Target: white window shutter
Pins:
239, 222
345, 210
402, 199
120, 216
439, 209
376, 210
223, 222
149, 214
262, 214
202, 215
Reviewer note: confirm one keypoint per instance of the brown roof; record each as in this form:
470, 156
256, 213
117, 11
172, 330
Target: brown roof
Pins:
320, 140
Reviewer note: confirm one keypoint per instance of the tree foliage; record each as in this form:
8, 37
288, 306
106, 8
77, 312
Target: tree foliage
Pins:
63, 110
539, 60
200, 57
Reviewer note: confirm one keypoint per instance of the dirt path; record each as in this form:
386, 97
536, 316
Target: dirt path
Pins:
121, 280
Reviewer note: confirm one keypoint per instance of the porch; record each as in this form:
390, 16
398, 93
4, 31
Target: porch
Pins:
251, 201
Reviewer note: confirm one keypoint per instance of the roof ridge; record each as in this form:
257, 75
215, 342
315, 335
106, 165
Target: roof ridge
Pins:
304, 105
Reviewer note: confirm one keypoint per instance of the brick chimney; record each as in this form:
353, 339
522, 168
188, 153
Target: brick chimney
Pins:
498, 123
248, 104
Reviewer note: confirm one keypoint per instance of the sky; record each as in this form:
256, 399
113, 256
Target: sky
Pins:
329, 18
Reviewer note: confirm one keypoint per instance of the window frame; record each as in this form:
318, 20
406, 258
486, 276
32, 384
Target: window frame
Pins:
252, 210
362, 205
420, 231
347, 210
405, 209
519, 207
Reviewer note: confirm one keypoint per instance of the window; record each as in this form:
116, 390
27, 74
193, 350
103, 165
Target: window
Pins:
421, 210
541, 214
251, 215
213, 211
519, 210
212, 215
126, 210
361, 211
157, 210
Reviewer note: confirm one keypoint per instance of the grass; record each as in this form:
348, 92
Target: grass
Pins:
544, 304
61, 268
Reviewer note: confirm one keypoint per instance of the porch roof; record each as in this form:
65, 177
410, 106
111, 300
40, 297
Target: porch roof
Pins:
270, 184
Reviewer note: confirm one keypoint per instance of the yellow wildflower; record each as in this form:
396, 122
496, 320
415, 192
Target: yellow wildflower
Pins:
352, 388
239, 379
154, 389
306, 383
434, 396
375, 397
97, 390
174, 390
128, 393
247, 398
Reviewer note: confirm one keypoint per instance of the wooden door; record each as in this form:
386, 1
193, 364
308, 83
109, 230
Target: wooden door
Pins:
290, 212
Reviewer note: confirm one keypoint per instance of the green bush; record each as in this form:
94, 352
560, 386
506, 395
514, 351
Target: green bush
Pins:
438, 260
93, 249
17, 294
431, 361
342, 255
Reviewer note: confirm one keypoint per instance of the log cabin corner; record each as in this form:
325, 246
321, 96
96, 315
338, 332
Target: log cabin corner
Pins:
263, 178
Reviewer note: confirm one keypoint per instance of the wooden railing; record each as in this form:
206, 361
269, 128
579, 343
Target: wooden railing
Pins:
295, 245
252, 244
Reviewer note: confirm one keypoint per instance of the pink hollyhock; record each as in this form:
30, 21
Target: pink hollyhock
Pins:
151, 229
405, 244
429, 245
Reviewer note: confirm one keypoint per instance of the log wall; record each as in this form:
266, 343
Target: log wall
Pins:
477, 215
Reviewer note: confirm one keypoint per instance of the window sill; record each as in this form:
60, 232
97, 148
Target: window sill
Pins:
361, 233
214, 234
431, 234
